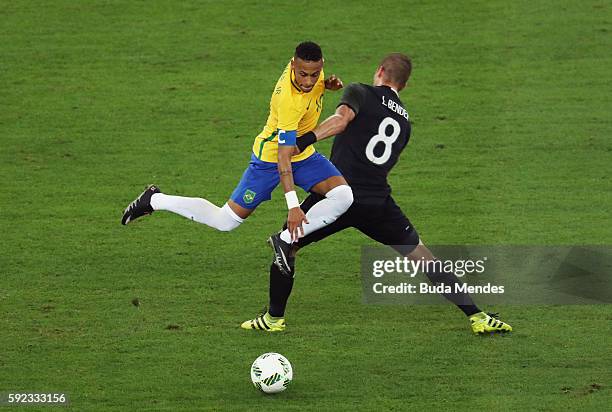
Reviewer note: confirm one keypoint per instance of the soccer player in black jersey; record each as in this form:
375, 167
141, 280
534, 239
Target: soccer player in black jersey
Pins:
372, 127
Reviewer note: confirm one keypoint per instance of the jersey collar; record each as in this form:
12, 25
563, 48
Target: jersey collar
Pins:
392, 88
293, 83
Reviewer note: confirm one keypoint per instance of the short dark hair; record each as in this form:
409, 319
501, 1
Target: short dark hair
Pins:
309, 51
397, 67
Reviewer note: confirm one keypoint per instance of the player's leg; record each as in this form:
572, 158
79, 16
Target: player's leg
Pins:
317, 174
281, 284
255, 186
461, 299
199, 210
388, 225
480, 321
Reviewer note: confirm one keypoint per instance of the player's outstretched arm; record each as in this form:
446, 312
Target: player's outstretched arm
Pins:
331, 126
335, 123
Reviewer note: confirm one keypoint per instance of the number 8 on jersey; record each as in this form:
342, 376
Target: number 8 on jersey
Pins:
384, 138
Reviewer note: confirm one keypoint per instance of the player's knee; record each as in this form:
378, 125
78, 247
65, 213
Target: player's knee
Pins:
343, 195
227, 226
349, 196
227, 220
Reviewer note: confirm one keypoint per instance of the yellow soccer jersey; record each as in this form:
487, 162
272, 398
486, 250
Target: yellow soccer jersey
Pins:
290, 109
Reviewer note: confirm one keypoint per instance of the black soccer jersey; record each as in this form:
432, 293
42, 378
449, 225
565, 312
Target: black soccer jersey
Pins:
371, 144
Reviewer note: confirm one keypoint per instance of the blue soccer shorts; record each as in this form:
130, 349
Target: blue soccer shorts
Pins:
260, 178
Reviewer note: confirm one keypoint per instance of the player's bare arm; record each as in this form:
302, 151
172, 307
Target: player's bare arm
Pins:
296, 216
331, 126
335, 123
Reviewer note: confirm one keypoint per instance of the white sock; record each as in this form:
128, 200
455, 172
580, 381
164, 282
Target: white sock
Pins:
199, 210
326, 211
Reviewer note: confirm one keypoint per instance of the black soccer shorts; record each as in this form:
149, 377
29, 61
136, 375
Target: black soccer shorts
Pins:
384, 223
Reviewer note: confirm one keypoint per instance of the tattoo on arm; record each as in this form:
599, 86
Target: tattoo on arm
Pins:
285, 172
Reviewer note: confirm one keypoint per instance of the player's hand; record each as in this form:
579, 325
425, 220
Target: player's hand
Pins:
333, 83
295, 218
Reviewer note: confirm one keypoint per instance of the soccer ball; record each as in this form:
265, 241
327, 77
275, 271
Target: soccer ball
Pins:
271, 373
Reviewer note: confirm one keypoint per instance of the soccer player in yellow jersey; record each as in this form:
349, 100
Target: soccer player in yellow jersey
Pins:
295, 107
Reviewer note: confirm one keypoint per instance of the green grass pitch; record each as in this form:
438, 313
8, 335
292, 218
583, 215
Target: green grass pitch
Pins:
511, 145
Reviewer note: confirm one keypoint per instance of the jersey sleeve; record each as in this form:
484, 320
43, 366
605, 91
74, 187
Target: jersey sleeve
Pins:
353, 97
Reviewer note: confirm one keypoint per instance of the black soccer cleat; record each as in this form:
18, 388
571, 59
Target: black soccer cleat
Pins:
141, 206
282, 258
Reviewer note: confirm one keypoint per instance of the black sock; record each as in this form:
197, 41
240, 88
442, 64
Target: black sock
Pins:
461, 299
280, 289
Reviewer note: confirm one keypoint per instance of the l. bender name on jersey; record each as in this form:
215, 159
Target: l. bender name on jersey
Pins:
396, 107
